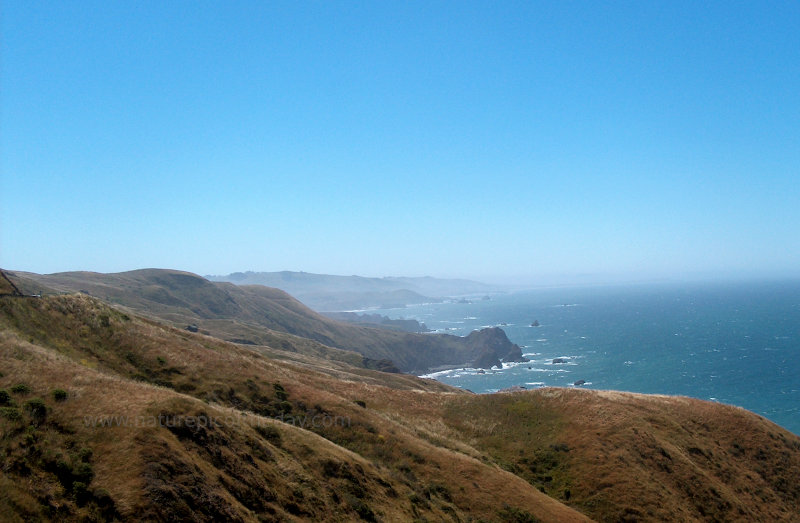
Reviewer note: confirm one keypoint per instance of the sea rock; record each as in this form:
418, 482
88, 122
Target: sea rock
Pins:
494, 339
487, 360
558, 360
535, 323
579, 383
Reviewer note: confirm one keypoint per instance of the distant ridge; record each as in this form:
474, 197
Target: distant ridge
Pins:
328, 293
259, 315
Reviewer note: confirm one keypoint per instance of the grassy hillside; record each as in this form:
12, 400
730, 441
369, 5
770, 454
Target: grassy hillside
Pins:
111, 364
254, 314
410, 449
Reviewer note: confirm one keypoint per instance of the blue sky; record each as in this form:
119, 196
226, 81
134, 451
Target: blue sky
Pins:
494, 140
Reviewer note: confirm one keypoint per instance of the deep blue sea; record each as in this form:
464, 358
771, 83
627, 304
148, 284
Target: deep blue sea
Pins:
733, 343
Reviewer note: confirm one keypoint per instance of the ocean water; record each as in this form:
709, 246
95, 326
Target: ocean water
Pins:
733, 343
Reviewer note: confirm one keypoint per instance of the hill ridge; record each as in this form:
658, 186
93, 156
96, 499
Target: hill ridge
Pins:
412, 448
258, 314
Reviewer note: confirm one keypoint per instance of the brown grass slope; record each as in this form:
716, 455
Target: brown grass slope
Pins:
413, 449
254, 314
251, 466
621, 456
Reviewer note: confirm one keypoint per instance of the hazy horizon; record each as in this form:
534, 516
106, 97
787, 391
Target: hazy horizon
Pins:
517, 283
508, 143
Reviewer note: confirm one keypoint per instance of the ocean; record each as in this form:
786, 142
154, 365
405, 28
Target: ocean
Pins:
735, 343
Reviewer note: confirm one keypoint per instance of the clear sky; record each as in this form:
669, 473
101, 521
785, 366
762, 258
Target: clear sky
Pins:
494, 140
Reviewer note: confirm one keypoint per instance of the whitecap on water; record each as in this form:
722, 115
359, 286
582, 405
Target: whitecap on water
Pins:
510, 364
434, 375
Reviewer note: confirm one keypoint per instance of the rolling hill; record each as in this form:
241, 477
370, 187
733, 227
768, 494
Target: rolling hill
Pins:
254, 314
110, 415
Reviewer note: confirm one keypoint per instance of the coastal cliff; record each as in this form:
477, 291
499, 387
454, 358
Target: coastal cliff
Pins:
493, 346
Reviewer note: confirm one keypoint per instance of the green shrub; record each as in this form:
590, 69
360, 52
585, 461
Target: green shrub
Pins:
29, 439
59, 394
161, 361
10, 413
63, 472
102, 496
83, 473
82, 494
5, 397
20, 388
37, 409
85, 455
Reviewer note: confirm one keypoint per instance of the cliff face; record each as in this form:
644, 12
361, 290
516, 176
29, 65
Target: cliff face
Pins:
492, 344
487, 360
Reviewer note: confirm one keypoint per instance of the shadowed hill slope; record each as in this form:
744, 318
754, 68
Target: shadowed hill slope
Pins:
411, 448
254, 314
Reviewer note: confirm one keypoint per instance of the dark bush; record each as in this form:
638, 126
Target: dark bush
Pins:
362, 509
435, 489
82, 493
280, 392
37, 409
59, 394
85, 454
269, 433
20, 388
360, 403
63, 472
5, 397
10, 413
105, 505
83, 473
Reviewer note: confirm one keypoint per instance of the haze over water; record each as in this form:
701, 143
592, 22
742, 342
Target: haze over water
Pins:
736, 343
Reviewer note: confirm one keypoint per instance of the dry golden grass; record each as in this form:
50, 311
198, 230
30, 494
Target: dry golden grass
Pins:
413, 449
376, 468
